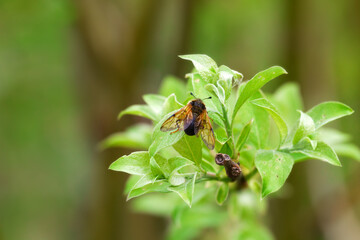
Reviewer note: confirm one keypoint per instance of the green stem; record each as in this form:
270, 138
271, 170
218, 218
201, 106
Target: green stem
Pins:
228, 128
251, 174
212, 178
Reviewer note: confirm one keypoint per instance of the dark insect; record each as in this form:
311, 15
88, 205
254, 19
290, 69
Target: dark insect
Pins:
193, 120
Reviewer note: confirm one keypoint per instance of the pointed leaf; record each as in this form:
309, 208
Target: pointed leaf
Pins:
222, 193
306, 126
274, 168
247, 89
137, 163
163, 139
244, 135
139, 110
190, 148
206, 66
157, 186
328, 111
155, 102
278, 119
322, 152
185, 190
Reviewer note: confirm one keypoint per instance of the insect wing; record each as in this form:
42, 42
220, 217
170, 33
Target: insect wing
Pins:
203, 126
179, 120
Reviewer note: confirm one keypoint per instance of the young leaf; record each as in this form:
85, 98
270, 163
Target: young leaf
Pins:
244, 135
186, 190
247, 89
137, 163
163, 139
157, 186
222, 193
176, 164
139, 110
226, 148
274, 168
201, 92
190, 148
155, 102
305, 127
174, 85
170, 104
207, 166
137, 136
206, 66
271, 109
159, 166
328, 111
322, 152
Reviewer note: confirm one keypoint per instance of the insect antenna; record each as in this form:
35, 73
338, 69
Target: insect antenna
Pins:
192, 95
207, 98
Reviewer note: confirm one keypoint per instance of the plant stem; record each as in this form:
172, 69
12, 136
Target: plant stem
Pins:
211, 177
251, 174
228, 129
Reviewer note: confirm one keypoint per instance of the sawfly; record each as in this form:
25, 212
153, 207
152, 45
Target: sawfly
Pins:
193, 120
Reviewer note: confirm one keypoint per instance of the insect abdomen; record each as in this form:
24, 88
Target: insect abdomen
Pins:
190, 129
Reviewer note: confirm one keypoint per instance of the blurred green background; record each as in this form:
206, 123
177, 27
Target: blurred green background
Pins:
68, 67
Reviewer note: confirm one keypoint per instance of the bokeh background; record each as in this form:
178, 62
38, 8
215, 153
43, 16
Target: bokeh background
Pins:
68, 67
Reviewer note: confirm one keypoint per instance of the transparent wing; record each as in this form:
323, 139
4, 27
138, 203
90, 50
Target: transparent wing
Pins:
203, 126
179, 120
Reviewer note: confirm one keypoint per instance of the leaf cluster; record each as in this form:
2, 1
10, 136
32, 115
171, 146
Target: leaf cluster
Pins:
266, 133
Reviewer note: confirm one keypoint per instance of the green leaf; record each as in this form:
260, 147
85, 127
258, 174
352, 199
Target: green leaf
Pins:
278, 119
247, 89
137, 163
201, 92
190, 148
176, 164
288, 99
274, 168
259, 133
348, 150
186, 190
139, 110
225, 73
163, 139
244, 135
171, 104
141, 181
328, 111
137, 136
157, 186
159, 166
205, 65
207, 166
174, 85
155, 102
226, 148
306, 126
217, 118
322, 152
218, 92
222, 193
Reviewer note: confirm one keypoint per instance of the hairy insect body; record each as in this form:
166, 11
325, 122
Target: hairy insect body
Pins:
193, 120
